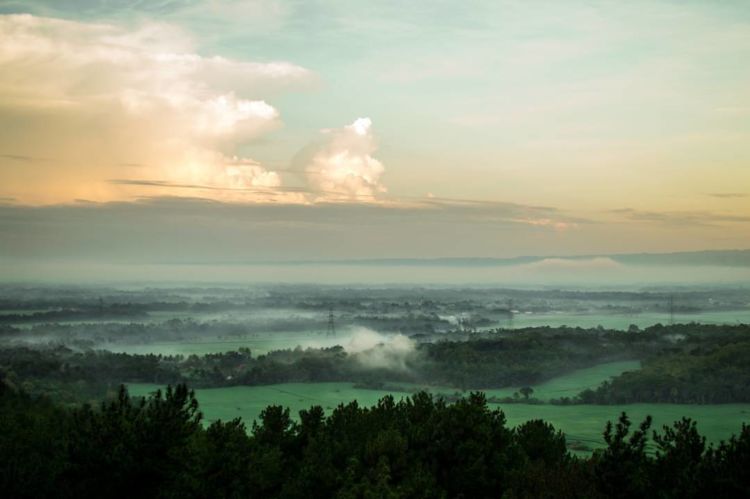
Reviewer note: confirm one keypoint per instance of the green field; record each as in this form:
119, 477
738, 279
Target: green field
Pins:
571, 384
581, 423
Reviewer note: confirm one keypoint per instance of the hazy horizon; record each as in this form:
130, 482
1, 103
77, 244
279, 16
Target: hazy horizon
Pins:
554, 272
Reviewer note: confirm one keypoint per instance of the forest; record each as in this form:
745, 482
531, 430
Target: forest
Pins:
703, 374
418, 447
688, 363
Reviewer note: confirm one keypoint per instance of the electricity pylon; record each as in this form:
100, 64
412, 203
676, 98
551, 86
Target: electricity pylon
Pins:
331, 331
671, 310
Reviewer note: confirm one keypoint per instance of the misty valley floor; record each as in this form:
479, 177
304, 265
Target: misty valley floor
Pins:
265, 343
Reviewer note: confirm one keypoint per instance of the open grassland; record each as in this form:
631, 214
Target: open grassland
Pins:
571, 384
582, 424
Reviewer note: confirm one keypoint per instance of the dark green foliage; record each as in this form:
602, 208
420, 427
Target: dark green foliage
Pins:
727, 467
222, 462
679, 459
132, 447
686, 363
526, 391
621, 470
419, 447
695, 372
540, 442
32, 444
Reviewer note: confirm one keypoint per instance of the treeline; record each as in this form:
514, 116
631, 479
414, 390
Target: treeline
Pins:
105, 332
419, 447
687, 363
713, 374
525, 357
522, 358
108, 312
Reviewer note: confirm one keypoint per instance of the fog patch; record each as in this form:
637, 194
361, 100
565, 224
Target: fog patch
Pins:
578, 264
452, 319
373, 350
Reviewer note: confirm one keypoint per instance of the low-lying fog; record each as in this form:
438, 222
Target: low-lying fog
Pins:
198, 319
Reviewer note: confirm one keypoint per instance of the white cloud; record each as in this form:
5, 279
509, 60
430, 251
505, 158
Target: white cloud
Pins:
144, 94
343, 166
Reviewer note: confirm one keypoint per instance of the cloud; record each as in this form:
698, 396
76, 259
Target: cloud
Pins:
146, 96
176, 238
548, 222
728, 195
342, 166
21, 158
97, 7
681, 218
185, 230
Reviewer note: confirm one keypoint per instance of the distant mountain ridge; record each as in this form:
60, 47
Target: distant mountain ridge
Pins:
723, 258
727, 258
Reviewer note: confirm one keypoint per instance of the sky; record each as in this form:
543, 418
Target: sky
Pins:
223, 131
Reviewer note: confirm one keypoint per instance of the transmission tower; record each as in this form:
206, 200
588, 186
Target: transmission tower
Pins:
510, 312
331, 331
671, 310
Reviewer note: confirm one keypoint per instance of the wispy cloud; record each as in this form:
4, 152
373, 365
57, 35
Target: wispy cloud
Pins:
153, 189
729, 195
22, 158
681, 218
452, 209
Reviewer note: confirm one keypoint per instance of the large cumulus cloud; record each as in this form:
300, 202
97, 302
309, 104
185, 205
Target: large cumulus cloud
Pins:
88, 98
342, 165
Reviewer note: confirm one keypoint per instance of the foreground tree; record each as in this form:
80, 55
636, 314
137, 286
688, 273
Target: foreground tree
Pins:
418, 447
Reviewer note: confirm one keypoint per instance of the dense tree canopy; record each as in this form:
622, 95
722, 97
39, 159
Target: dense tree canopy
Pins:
686, 363
420, 447
706, 373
